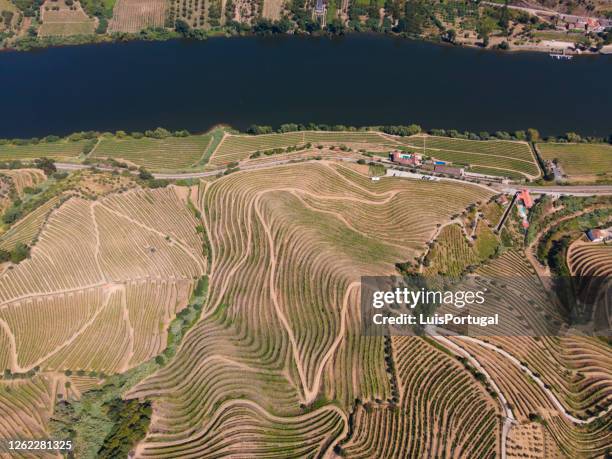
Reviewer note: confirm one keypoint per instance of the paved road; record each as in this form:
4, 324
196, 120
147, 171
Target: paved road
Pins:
572, 190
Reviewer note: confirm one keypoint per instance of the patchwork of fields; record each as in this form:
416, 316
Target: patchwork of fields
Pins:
579, 159
218, 149
275, 362
493, 157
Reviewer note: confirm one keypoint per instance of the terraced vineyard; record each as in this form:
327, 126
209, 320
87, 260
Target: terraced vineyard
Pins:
579, 159
22, 178
505, 156
27, 228
296, 230
416, 427
156, 154
57, 315
228, 314
573, 373
13, 183
587, 259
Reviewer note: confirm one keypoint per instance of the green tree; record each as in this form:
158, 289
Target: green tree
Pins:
20, 253
533, 135
144, 174
182, 28
257, 130
46, 164
484, 29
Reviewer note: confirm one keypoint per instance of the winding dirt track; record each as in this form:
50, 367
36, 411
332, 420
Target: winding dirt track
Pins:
509, 418
553, 398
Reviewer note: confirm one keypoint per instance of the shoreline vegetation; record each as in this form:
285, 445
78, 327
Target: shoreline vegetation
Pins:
92, 136
483, 25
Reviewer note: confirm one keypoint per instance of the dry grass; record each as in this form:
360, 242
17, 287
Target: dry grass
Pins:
578, 159
7, 5
61, 19
272, 9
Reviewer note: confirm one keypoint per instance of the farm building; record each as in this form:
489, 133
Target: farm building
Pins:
407, 159
599, 235
320, 8
503, 200
443, 169
526, 198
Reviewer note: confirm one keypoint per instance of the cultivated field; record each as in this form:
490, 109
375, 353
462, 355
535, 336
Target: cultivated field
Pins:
63, 149
451, 253
272, 9
500, 155
203, 14
577, 159
239, 147
60, 18
135, 15
22, 178
104, 281
155, 154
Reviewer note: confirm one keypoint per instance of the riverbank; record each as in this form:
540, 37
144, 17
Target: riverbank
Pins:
496, 44
487, 26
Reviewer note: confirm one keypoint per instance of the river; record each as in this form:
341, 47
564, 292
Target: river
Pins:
353, 80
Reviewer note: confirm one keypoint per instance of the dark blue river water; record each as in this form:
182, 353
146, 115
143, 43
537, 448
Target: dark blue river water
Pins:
354, 80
